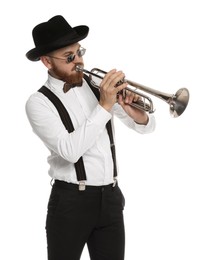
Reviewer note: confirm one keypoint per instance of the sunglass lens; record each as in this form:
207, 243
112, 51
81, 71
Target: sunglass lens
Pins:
70, 58
81, 52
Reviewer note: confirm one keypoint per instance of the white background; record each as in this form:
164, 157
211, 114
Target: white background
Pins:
166, 175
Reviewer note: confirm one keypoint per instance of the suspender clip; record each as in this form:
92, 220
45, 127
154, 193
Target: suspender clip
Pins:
52, 182
115, 182
82, 185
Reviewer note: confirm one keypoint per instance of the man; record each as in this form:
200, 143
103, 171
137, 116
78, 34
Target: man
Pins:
86, 204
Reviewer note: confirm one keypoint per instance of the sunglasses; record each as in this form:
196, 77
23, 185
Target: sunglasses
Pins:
80, 52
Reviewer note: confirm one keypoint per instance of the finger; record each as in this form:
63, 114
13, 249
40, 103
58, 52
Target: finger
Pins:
107, 77
132, 97
136, 98
129, 98
120, 99
121, 87
117, 78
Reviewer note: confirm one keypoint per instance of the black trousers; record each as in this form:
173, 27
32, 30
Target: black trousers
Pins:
93, 217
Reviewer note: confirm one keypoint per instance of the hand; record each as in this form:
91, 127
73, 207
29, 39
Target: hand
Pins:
139, 116
109, 88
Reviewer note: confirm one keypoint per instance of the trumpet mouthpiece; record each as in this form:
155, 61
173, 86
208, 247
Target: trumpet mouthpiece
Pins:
79, 68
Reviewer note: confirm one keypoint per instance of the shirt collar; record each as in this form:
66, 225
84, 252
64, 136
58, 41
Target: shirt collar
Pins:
55, 84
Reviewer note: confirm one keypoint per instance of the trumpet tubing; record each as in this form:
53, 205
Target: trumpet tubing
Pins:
177, 102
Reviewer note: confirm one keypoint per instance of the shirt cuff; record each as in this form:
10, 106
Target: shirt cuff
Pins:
148, 128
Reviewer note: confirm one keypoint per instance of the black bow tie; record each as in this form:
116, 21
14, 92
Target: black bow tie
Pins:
68, 86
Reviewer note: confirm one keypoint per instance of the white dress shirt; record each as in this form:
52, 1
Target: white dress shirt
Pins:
89, 139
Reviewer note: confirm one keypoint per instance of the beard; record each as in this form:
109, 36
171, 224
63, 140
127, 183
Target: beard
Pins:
74, 77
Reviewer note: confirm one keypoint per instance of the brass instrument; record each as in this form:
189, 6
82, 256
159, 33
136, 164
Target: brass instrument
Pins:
177, 102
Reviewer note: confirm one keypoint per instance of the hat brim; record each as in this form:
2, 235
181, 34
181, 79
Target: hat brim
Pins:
35, 53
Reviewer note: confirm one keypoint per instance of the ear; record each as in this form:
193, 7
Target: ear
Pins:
46, 61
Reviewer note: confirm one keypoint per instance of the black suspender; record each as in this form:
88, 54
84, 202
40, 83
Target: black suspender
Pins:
108, 126
79, 165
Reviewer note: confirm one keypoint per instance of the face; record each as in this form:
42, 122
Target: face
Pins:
63, 70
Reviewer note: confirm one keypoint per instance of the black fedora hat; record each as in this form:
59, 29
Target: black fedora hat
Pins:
54, 34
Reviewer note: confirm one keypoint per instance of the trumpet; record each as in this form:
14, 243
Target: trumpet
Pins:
177, 102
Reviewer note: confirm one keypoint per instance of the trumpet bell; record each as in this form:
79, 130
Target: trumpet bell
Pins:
179, 102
